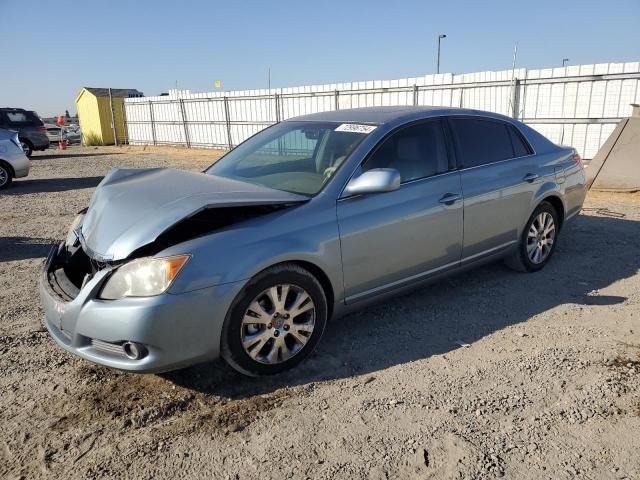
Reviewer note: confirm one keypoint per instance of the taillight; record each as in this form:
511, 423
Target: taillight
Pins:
578, 159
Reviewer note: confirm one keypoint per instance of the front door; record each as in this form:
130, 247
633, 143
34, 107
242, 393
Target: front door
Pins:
390, 239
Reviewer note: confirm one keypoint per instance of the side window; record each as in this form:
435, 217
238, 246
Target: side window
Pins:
482, 141
520, 148
416, 152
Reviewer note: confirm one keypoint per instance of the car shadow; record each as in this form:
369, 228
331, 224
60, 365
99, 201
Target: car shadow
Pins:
23, 187
593, 253
22, 248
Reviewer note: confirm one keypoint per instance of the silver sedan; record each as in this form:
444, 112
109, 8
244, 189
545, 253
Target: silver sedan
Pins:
307, 220
13, 161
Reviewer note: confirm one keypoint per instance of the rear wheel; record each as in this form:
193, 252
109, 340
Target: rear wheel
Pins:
5, 177
27, 148
276, 321
538, 240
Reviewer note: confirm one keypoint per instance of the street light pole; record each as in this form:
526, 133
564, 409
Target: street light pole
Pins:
565, 61
440, 37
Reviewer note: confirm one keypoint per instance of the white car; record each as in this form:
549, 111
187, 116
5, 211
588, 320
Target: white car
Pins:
13, 162
54, 132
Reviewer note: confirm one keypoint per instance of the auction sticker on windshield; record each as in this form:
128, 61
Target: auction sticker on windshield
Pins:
355, 128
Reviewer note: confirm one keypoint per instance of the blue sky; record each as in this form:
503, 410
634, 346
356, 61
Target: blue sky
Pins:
52, 49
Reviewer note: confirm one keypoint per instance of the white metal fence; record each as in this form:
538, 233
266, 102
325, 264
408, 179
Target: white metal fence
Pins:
575, 105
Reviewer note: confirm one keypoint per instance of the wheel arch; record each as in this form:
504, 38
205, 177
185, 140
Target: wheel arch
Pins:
322, 277
4, 163
26, 140
548, 192
557, 203
314, 269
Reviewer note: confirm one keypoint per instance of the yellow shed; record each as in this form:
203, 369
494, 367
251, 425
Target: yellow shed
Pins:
99, 109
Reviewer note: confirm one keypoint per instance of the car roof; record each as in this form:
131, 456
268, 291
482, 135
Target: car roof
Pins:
383, 115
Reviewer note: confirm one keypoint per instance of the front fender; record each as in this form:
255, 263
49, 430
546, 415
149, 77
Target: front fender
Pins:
240, 253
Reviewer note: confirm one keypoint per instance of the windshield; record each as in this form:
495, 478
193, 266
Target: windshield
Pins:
297, 157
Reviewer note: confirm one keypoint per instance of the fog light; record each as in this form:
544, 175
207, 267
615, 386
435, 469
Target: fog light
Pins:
134, 350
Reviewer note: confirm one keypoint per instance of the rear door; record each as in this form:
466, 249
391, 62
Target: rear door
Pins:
390, 239
499, 176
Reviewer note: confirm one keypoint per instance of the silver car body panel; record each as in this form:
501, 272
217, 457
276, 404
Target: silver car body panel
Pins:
177, 330
425, 235
13, 154
363, 248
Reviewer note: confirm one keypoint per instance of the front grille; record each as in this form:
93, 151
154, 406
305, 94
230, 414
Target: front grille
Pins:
113, 348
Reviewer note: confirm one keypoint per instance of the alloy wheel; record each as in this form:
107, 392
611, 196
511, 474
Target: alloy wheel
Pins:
4, 176
542, 234
278, 324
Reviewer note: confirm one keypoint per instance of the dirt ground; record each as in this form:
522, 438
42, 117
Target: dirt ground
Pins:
489, 374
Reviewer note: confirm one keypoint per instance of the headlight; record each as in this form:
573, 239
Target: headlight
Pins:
71, 234
144, 277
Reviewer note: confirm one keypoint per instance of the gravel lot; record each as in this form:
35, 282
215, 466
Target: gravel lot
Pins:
488, 374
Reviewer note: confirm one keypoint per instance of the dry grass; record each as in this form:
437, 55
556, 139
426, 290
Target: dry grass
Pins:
176, 151
627, 197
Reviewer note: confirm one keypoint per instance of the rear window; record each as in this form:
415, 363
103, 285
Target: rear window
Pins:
23, 118
482, 141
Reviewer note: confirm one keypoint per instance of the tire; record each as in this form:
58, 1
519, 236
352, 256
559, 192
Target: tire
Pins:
256, 349
27, 148
524, 259
6, 177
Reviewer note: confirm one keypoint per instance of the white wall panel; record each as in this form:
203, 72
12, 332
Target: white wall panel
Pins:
567, 104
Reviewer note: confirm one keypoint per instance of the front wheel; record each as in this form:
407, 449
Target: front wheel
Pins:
275, 322
5, 177
538, 240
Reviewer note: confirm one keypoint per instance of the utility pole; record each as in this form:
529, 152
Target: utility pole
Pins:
113, 119
513, 89
269, 89
440, 37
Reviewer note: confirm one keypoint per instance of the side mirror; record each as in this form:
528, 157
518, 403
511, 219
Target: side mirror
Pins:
378, 180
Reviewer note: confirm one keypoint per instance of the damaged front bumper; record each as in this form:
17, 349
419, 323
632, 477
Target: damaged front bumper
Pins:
172, 330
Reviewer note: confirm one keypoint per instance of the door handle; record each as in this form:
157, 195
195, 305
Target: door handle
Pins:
449, 198
530, 177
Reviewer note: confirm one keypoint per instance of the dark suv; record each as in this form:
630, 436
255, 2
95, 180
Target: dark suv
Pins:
31, 130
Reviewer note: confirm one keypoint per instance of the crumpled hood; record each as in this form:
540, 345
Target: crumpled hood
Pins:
132, 207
